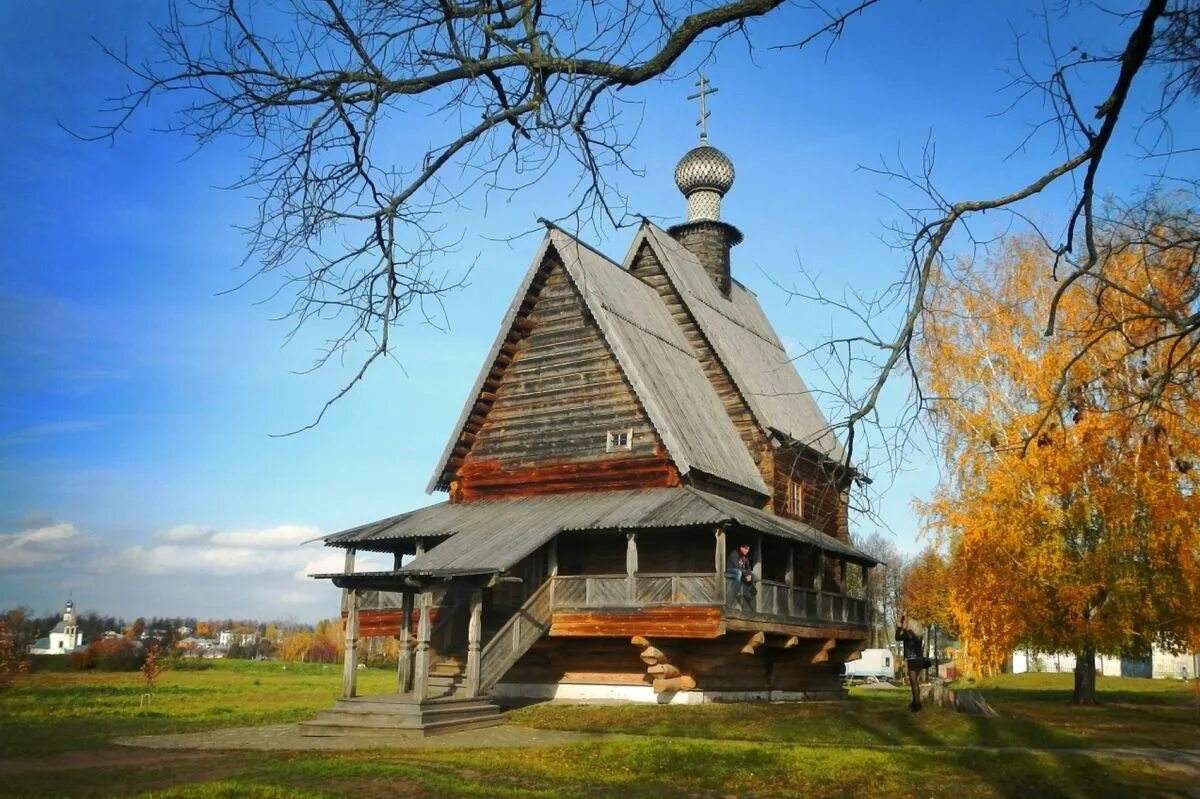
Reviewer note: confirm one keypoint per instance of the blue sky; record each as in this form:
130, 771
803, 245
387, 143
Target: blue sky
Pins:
137, 471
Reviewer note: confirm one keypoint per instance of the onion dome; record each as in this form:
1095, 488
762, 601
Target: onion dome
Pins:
704, 167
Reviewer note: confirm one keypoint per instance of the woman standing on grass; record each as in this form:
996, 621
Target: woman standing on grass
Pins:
909, 634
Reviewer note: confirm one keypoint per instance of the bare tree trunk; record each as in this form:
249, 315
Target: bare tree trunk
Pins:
1085, 677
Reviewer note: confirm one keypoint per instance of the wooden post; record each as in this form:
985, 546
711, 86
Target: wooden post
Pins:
722, 583
843, 585
350, 657
404, 669
552, 565
474, 633
790, 578
818, 580
758, 593
631, 566
421, 667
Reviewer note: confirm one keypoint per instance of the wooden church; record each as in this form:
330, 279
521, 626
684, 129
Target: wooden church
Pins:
632, 425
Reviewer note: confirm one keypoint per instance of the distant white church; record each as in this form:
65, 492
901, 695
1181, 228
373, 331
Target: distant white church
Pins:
63, 639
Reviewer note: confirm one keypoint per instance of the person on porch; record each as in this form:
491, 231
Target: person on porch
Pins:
740, 574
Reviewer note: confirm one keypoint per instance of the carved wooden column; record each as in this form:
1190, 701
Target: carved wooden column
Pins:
350, 658
722, 583
631, 566
790, 578
350, 633
421, 670
404, 669
758, 593
818, 580
474, 633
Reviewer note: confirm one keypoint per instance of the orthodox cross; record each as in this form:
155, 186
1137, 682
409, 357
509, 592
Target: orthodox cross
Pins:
705, 89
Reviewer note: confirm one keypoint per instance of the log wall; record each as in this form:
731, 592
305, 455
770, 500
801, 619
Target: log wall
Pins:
824, 498
550, 407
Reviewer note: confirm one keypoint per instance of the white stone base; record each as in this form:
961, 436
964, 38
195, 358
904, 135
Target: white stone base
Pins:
510, 693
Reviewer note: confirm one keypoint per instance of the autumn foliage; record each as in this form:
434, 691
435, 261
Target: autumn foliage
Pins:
1070, 499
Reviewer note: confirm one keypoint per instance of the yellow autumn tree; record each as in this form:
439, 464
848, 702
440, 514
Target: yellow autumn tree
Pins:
1069, 503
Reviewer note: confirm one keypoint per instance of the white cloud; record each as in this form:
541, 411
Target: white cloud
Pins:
42, 546
185, 534
331, 562
187, 569
281, 537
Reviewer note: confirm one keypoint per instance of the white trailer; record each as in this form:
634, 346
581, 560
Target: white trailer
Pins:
877, 663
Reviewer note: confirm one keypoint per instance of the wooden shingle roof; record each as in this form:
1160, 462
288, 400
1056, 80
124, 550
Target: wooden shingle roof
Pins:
747, 345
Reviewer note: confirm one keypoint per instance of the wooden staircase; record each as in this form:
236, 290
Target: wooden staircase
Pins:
445, 700
447, 679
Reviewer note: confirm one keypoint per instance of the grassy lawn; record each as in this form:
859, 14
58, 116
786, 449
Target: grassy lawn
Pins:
48, 713
1034, 712
54, 730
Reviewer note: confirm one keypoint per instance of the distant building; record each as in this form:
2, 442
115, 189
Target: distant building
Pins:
228, 638
63, 639
1160, 664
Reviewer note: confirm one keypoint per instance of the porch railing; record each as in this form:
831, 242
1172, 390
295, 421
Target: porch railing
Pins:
585, 592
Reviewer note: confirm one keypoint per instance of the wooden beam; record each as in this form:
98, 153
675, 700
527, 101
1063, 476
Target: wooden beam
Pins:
639, 641
756, 640
663, 670
823, 654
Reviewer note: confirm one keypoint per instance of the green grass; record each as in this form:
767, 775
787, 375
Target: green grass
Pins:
55, 728
1033, 713
48, 713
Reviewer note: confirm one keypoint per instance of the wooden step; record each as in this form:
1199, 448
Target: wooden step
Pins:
312, 729
389, 714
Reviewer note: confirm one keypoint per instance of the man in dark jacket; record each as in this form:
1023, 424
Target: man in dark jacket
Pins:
740, 574
914, 656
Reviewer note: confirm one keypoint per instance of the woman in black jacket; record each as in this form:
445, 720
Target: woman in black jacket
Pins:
914, 656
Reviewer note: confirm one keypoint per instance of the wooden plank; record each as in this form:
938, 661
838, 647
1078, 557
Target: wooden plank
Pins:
675, 622
738, 624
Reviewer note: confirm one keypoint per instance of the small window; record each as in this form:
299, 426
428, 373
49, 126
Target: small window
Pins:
619, 439
795, 498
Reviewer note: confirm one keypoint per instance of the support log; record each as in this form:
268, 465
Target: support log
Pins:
823, 654
652, 656
674, 684
639, 640
663, 671
756, 640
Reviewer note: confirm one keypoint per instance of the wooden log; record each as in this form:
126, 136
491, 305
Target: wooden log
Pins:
639, 640
756, 640
665, 670
652, 656
674, 684
823, 654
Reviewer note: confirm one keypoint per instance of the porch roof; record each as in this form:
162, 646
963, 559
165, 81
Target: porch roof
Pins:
489, 536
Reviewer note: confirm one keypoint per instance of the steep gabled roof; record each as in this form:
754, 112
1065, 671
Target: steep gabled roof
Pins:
747, 345
653, 355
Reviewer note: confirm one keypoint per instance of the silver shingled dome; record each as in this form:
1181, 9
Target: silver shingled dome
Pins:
704, 167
